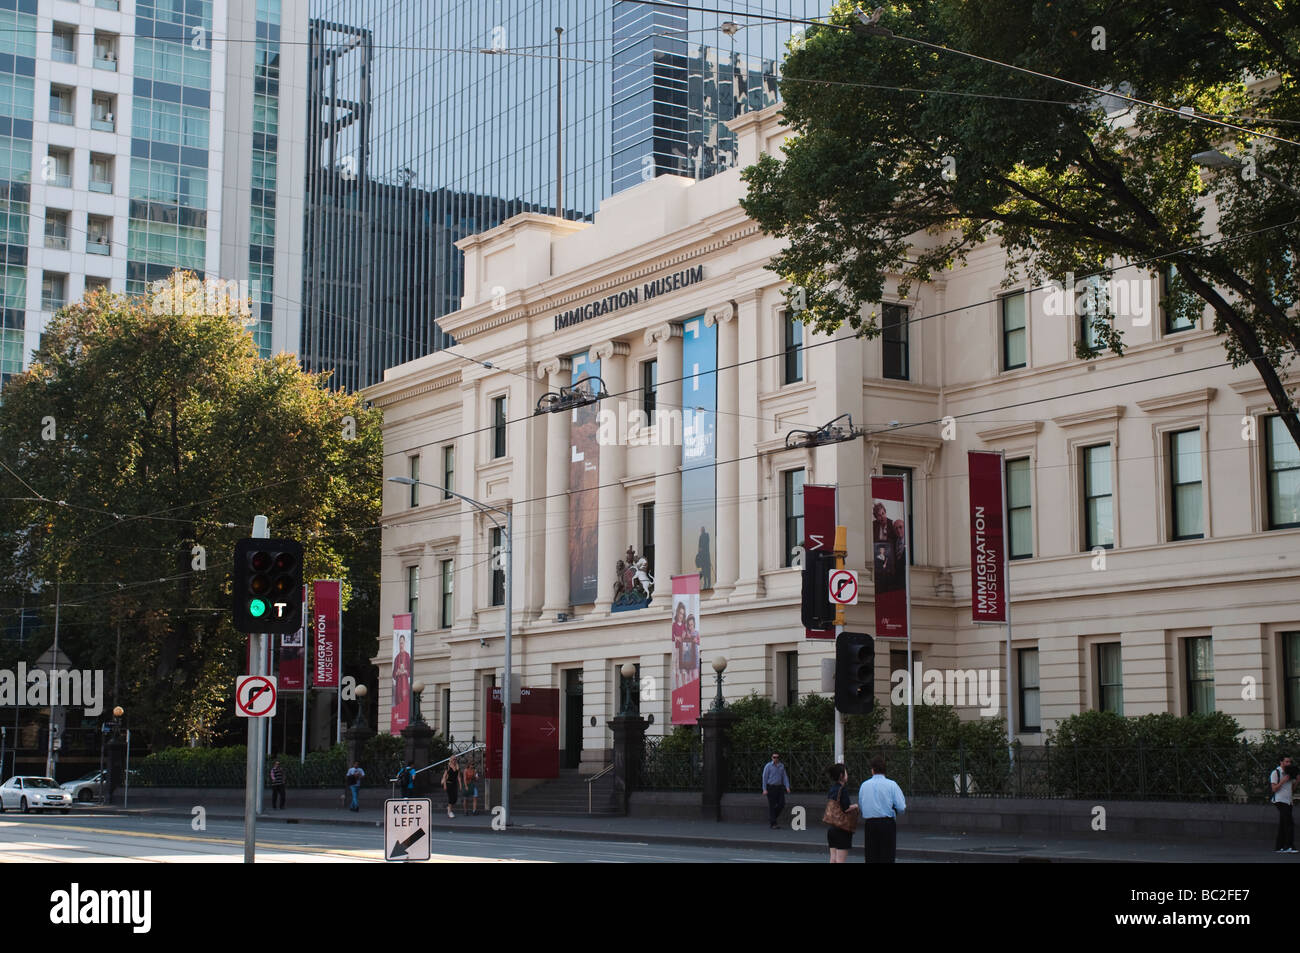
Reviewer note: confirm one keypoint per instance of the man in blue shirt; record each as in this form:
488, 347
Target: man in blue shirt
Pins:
776, 783
880, 800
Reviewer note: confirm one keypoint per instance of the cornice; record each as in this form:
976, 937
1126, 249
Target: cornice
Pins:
409, 392
1095, 416
1188, 398
1025, 429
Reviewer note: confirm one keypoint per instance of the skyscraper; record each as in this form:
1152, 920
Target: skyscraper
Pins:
140, 137
430, 122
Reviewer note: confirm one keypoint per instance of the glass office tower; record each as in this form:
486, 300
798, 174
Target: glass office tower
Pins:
430, 121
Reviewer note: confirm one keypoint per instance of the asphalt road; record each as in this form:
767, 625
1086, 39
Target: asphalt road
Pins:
89, 837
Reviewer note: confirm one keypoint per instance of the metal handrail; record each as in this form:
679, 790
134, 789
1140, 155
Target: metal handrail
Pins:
592, 780
393, 781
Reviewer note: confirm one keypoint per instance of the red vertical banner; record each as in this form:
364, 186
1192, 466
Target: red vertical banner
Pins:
889, 556
401, 708
686, 649
818, 532
292, 653
327, 601
988, 554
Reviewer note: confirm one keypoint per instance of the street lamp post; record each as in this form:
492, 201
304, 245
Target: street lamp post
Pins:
507, 692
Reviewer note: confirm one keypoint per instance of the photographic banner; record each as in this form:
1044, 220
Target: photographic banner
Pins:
402, 646
292, 653
988, 555
686, 649
584, 483
889, 556
327, 620
699, 448
818, 533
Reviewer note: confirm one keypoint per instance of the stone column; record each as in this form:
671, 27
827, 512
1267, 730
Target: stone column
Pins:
613, 537
728, 444
715, 728
749, 583
668, 459
629, 752
557, 373
467, 458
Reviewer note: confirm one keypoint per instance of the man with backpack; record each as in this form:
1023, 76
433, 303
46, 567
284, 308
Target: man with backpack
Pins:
406, 779
1280, 783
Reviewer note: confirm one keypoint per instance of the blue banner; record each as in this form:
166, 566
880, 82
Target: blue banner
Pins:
699, 449
584, 482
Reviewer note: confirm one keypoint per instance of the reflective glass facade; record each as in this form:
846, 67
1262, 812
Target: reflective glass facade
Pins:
430, 122
17, 98
266, 129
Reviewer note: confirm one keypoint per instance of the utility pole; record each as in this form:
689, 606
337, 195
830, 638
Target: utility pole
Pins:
253, 773
51, 757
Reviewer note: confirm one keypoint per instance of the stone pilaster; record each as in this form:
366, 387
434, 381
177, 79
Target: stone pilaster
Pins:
613, 535
728, 447
557, 373
668, 461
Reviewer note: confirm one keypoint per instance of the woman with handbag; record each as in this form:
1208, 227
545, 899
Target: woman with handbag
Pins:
840, 815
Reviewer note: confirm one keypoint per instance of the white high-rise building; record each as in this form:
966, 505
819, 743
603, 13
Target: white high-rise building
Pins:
140, 136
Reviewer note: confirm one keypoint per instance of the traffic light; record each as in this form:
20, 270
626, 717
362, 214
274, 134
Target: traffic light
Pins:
817, 611
267, 591
855, 673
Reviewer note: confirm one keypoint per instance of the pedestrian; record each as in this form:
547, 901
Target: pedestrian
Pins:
840, 839
880, 801
354, 778
776, 784
1280, 781
406, 779
471, 787
451, 783
277, 785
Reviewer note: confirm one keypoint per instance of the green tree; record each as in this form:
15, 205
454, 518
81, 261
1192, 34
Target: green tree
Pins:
906, 156
134, 452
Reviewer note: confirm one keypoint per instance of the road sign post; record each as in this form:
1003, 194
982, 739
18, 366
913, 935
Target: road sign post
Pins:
406, 828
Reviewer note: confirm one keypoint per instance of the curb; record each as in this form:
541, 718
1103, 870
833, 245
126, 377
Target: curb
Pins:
685, 840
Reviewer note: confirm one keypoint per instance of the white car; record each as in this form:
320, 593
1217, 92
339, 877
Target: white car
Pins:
25, 793
87, 788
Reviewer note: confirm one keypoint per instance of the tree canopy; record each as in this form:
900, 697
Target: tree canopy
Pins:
134, 451
906, 155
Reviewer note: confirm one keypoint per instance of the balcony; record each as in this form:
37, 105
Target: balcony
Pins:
61, 116
106, 59
62, 179
98, 246
97, 185
62, 55
57, 242
108, 4
105, 124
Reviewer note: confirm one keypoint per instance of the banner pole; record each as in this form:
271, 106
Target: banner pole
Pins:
307, 675
338, 672
907, 594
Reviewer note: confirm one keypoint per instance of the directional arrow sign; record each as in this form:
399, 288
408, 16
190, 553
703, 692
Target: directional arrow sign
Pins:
406, 828
844, 587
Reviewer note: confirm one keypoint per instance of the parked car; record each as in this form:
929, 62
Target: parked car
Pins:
88, 788
26, 794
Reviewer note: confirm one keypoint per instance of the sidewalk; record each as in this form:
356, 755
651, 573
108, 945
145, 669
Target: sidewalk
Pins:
955, 846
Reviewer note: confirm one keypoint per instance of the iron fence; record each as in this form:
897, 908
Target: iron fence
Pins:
670, 769
321, 770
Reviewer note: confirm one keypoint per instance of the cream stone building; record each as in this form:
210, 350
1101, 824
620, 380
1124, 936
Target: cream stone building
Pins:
1154, 501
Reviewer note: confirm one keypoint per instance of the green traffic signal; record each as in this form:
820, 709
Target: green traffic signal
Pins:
257, 608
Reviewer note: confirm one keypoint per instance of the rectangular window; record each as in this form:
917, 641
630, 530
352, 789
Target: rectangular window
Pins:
789, 665
413, 471
1098, 504
97, 284
101, 173
1172, 293
102, 109
1291, 677
56, 228
58, 171
1030, 718
792, 508
1200, 675
498, 427
1013, 330
649, 390
647, 513
446, 610
54, 291
63, 46
906, 474
791, 348
893, 324
61, 103
1110, 678
1282, 466
99, 235
105, 51
1185, 485
413, 595
1090, 302
1020, 522
448, 471
497, 567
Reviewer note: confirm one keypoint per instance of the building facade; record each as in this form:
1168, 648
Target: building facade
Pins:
429, 123
1154, 498
141, 136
